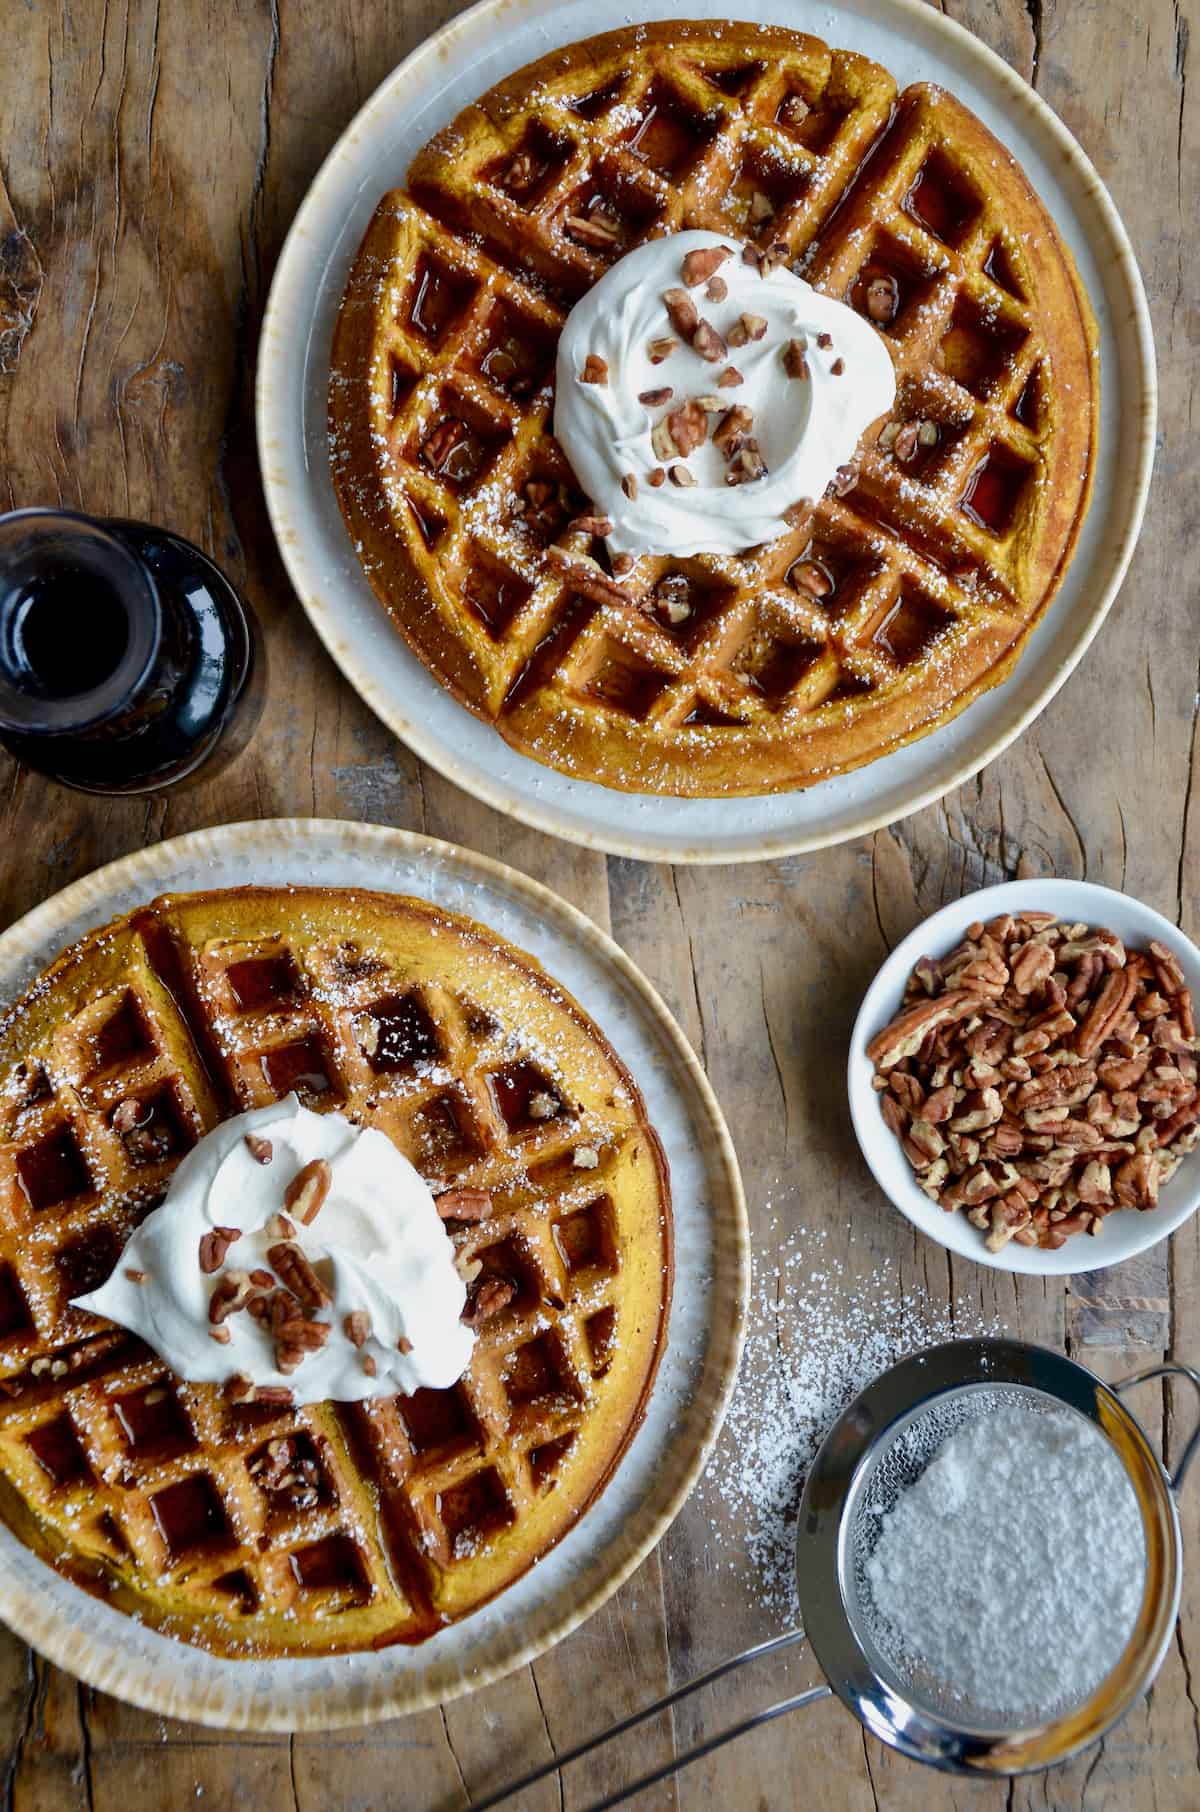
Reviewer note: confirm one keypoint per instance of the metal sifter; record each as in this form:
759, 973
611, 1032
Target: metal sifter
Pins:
880, 1445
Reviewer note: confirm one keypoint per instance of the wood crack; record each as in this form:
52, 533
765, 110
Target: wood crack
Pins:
27, 1717
787, 1117
462, 1779
1036, 25
870, 1771
85, 1750
292, 1781
558, 1779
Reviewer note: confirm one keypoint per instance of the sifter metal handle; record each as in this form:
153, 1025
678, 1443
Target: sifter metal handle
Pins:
648, 1711
1171, 1369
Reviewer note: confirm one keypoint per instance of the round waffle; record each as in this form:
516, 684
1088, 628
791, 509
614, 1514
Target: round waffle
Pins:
885, 610
261, 1530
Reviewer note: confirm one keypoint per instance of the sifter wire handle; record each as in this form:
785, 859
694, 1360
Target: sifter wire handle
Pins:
788, 1640
1170, 1369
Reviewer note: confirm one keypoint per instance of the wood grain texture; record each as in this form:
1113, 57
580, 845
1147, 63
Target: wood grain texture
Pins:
150, 161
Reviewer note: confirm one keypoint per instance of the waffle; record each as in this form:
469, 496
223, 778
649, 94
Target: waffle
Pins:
268, 1530
885, 610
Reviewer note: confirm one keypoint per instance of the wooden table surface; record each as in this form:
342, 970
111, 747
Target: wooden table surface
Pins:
151, 158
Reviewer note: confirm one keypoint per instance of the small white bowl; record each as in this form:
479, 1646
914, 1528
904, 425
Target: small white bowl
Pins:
1126, 1231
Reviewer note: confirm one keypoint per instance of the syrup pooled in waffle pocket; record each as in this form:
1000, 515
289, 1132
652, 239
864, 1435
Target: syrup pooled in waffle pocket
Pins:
241, 1513
647, 638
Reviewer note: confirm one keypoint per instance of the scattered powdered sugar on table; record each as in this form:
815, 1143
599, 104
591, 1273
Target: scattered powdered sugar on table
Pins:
819, 1332
1013, 1567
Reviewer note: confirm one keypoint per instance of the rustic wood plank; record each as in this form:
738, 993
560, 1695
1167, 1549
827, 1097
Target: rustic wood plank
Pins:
151, 161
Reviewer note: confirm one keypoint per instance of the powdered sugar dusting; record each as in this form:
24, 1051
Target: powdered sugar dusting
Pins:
820, 1330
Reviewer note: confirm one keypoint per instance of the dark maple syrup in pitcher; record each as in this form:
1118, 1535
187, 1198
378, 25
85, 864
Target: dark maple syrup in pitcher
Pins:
127, 660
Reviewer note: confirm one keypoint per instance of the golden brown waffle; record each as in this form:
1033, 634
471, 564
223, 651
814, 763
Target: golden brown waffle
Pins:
887, 609
263, 1530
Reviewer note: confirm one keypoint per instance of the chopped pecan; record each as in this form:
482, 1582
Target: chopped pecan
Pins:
595, 370
597, 230
794, 362
488, 1300
707, 342
438, 445
588, 576
883, 299
747, 464
214, 1247
902, 1038
689, 427
261, 1150
295, 1271
296, 1339
733, 426
305, 1195
464, 1204
685, 316
1105, 1012
699, 265
747, 328
232, 1293
357, 1327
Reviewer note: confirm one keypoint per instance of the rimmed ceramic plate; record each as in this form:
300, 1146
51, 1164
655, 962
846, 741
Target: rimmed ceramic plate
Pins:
457, 64
696, 1375
1126, 1232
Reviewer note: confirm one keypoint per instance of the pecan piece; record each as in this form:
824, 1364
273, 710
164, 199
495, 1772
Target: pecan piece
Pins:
487, 1301
689, 427
464, 1204
1106, 1010
747, 328
707, 342
597, 230
595, 370
214, 1247
296, 1340
904, 1036
261, 1150
295, 1271
1135, 1184
699, 265
883, 299
357, 1327
588, 576
733, 426
746, 465
305, 1195
233, 1292
685, 316
794, 362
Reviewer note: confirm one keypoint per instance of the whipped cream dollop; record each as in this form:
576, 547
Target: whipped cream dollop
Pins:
811, 383
375, 1244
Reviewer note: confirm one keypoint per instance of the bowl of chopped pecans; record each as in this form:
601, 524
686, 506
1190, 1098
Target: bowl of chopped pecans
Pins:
1024, 1077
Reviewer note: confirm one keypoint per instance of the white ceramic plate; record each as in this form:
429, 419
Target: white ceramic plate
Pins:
111, 1651
458, 63
1126, 1231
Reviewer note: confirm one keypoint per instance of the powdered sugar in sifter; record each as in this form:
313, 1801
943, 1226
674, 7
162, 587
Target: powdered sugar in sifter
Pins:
880, 1445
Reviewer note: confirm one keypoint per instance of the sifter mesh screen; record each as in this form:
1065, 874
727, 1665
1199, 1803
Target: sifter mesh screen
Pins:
894, 1466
